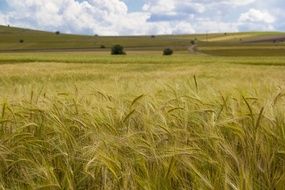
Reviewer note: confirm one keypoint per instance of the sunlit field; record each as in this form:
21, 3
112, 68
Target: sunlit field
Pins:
86, 120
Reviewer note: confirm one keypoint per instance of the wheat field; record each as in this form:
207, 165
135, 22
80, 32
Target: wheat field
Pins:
141, 122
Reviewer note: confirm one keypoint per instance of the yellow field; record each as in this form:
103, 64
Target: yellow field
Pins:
141, 121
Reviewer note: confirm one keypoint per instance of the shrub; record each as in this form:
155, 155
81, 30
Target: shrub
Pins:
21, 41
117, 50
167, 51
193, 42
102, 47
57, 32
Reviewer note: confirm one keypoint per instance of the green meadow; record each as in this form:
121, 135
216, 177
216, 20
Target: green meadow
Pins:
84, 119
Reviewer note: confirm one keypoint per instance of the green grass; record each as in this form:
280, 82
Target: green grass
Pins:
144, 57
141, 121
48, 41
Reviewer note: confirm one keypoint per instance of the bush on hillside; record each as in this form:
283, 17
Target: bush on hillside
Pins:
118, 50
167, 51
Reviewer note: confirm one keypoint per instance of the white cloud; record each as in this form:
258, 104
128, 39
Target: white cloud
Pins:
254, 15
216, 27
111, 17
159, 6
239, 2
3, 19
70, 15
106, 17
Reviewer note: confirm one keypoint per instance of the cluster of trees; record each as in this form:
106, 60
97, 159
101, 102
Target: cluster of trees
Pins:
119, 50
167, 51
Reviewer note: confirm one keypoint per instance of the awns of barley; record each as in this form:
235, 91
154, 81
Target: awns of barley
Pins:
175, 141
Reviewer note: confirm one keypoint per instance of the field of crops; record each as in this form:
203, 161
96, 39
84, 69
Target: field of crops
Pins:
143, 121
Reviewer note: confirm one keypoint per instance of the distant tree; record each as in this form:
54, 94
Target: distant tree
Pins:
152, 36
57, 32
96, 35
167, 51
118, 50
193, 42
21, 41
225, 33
102, 47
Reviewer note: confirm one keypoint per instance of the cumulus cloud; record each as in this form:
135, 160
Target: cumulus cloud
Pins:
238, 2
258, 20
254, 15
215, 26
3, 19
97, 16
107, 17
112, 17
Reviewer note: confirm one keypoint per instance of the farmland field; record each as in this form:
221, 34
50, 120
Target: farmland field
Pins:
89, 120
142, 121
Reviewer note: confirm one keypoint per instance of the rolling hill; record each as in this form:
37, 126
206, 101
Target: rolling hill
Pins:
14, 39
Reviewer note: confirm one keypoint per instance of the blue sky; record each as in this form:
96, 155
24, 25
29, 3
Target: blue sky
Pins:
135, 5
143, 17
3, 5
